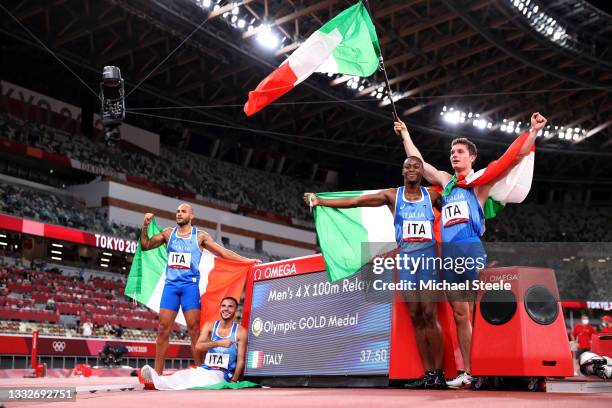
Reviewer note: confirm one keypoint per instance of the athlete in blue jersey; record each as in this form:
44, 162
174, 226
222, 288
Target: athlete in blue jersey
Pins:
224, 343
411, 206
463, 223
184, 245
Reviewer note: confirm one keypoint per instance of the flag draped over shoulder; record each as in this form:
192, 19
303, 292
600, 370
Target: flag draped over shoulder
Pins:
515, 181
347, 45
218, 278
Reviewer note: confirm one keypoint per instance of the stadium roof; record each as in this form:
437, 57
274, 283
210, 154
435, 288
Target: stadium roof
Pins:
475, 68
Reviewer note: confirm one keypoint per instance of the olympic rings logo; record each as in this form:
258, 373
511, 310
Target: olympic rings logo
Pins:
59, 346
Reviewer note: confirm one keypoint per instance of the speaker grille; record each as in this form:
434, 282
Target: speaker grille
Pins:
541, 305
498, 306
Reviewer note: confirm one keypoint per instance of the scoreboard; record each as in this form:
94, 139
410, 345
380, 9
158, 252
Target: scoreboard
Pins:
302, 327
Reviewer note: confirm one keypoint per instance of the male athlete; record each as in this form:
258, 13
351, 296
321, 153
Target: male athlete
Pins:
463, 222
224, 343
185, 245
411, 206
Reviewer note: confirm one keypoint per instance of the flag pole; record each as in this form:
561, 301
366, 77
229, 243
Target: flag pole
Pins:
382, 66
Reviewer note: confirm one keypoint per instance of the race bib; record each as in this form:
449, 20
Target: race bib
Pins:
455, 213
417, 231
217, 360
179, 260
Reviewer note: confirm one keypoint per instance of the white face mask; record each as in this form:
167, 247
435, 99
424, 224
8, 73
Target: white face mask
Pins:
585, 321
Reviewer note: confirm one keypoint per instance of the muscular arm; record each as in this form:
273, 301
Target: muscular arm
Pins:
431, 174
241, 343
207, 242
384, 197
155, 241
204, 343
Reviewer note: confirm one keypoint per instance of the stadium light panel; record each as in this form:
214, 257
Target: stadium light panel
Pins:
241, 23
56, 258
57, 245
3, 243
56, 252
266, 38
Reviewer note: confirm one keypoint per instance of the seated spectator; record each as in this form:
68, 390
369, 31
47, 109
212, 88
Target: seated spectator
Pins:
87, 328
51, 306
118, 331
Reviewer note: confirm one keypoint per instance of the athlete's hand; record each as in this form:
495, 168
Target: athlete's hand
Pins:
225, 343
399, 127
537, 121
257, 261
314, 201
147, 219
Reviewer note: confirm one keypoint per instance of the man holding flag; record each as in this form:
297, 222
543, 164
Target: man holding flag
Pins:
182, 276
413, 219
467, 199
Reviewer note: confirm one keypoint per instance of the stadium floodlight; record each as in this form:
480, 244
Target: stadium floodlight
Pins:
56, 258
453, 117
107, 253
2, 236
57, 245
241, 23
3, 243
236, 9
206, 3
104, 260
266, 37
56, 252
104, 265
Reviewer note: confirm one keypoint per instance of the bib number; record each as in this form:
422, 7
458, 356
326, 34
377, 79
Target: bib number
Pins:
179, 260
417, 231
217, 360
455, 213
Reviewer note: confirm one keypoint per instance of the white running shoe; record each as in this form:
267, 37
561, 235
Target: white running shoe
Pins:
463, 380
146, 373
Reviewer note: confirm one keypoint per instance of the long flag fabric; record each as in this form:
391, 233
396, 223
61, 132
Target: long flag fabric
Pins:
218, 278
350, 237
347, 45
515, 182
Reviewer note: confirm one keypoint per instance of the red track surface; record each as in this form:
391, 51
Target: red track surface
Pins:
304, 397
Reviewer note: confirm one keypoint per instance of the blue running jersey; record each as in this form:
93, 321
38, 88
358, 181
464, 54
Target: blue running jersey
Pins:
413, 221
183, 258
222, 358
461, 216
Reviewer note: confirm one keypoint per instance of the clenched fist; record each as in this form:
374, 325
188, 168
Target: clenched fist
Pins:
314, 201
537, 121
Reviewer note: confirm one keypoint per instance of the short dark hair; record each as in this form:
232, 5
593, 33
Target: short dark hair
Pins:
470, 145
233, 299
417, 158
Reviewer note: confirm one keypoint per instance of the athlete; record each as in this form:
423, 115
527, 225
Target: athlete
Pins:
224, 343
463, 223
411, 206
181, 289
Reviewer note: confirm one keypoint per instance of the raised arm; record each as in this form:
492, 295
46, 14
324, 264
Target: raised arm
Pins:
241, 343
156, 240
384, 197
207, 242
431, 174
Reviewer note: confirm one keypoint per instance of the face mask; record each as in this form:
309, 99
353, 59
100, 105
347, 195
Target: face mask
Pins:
585, 321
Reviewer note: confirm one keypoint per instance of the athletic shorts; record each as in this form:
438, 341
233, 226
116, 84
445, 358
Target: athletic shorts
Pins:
463, 260
185, 295
425, 261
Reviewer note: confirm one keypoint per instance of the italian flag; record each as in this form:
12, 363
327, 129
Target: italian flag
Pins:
515, 182
347, 45
218, 278
350, 237
255, 359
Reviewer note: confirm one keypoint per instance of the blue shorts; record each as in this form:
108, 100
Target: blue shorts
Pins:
426, 268
463, 260
185, 295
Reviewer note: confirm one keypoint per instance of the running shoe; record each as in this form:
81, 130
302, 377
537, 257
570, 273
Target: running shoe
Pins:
463, 380
420, 383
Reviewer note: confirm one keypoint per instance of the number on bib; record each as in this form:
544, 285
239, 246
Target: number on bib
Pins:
455, 213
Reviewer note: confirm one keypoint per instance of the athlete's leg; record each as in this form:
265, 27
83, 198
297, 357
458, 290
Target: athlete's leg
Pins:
192, 317
169, 306
433, 331
461, 313
420, 335
166, 321
184, 379
190, 303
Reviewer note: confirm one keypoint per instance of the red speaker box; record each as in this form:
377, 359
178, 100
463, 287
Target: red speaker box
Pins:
521, 331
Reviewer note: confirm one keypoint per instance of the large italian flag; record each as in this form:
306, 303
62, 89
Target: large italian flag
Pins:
218, 278
347, 44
